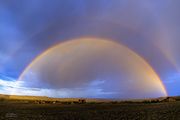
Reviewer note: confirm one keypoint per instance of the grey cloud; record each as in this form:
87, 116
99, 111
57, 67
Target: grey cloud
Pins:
30, 27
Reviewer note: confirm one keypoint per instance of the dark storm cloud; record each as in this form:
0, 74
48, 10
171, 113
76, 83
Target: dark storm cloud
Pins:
27, 28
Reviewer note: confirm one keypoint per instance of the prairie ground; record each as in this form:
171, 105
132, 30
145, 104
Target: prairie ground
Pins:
93, 111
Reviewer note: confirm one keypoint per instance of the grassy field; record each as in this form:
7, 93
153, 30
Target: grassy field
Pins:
90, 111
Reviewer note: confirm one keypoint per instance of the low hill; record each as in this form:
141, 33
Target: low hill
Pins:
45, 98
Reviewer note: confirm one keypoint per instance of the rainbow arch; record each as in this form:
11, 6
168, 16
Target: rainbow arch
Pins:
76, 41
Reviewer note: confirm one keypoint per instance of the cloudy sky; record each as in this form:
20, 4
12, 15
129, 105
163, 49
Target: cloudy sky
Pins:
149, 28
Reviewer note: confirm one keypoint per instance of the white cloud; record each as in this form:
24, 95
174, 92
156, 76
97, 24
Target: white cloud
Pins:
15, 87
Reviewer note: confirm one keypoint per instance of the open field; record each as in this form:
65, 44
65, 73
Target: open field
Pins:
23, 110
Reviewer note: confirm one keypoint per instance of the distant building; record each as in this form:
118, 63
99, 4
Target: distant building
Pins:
82, 101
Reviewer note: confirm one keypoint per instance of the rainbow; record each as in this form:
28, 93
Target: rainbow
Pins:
158, 80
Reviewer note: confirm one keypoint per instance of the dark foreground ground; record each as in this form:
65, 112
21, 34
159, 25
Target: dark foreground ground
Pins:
104, 111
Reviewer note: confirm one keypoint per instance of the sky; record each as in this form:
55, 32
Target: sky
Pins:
149, 28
